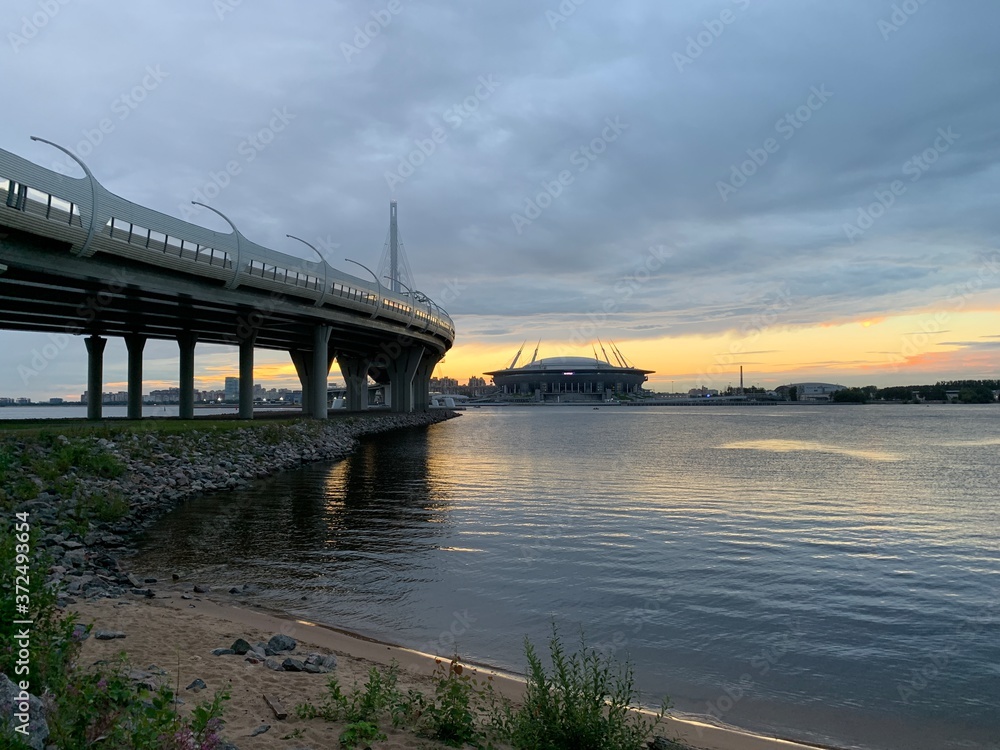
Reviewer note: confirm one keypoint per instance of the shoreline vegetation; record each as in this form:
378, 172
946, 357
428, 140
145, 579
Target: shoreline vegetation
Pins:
122, 662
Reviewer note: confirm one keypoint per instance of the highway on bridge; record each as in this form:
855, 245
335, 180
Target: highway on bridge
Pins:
78, 260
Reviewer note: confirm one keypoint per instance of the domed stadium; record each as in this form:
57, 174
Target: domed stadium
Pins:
570, 379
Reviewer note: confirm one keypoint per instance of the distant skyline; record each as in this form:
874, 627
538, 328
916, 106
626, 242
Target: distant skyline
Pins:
807, 189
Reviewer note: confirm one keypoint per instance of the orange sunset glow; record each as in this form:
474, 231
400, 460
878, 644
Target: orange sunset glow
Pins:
880, 351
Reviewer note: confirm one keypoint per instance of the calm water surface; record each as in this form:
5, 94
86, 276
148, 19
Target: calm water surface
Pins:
829, 574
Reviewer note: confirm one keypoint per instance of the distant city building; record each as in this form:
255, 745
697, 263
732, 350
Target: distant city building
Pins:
703, 392
22, 401
164, 396
55, 400
816, 391
232, 389
562, 379
121, 397
444, 385
6, 401
476, 387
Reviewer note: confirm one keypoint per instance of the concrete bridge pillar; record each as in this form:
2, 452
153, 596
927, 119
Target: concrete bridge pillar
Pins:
355, 372
402, 371
321, 362
246, 375
186, 342
135, 343
305, 365
422, 381
95, 376
302, 360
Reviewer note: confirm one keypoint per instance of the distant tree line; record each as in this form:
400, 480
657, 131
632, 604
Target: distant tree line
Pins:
969, 391
851, 396
735, 391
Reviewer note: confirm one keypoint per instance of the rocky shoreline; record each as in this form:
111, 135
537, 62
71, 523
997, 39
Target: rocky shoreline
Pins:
86, 517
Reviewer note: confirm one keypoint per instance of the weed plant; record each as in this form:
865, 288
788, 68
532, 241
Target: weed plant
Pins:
585, 702
105, 708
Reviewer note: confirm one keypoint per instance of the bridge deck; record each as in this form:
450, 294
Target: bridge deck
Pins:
72, 270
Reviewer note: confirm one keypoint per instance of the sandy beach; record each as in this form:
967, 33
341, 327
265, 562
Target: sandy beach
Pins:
177, 635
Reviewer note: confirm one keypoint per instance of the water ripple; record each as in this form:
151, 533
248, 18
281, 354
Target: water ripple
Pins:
825, 574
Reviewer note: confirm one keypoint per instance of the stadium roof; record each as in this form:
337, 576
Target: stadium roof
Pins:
563, 364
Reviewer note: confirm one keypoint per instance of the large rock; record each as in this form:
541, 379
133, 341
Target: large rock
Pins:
319, 664
281, 642
13, 700
292, 665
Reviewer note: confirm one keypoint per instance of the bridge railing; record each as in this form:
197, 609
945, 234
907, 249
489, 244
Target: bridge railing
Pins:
84, 213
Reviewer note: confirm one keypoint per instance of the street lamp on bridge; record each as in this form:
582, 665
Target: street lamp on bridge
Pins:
379, 306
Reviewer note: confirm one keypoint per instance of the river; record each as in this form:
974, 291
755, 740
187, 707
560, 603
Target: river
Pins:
826, 573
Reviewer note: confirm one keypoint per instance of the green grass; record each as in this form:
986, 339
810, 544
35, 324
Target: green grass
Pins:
113, 428
8, 460
23, 489
85, 459
108, 507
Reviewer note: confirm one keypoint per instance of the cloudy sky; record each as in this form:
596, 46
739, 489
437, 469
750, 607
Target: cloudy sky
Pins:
806, 188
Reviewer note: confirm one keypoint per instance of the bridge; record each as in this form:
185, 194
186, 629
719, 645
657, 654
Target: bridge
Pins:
78, 260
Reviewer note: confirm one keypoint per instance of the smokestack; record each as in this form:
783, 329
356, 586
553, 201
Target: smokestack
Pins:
741, 380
